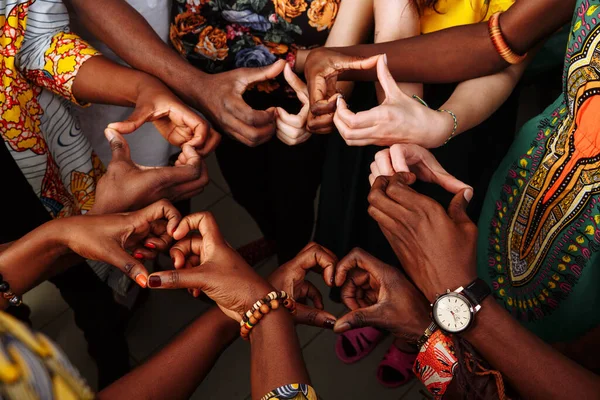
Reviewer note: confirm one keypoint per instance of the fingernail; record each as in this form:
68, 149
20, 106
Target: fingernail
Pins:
332, 281
337, 101
329, 323
468, 194
141, 280
110, 134
139, 256
154, 281
150, 245
344, 327
385, 59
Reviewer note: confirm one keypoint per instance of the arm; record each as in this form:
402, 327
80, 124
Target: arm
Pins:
394, 20
529, 372
177, 370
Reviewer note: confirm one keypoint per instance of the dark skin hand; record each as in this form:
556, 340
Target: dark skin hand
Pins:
409, 221
127, 186
451, 55
379, 295
217, 96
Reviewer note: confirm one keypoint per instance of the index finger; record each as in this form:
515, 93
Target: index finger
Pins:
358, 258
162, 209
296, 83
315, 256
203, 222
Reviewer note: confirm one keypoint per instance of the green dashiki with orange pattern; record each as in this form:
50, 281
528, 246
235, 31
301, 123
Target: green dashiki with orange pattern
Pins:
539, 245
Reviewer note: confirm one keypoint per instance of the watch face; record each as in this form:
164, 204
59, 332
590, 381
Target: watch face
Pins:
452, 312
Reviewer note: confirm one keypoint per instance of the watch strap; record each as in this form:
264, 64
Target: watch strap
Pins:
477, 291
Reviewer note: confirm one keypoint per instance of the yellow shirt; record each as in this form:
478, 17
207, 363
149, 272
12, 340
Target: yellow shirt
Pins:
449, 13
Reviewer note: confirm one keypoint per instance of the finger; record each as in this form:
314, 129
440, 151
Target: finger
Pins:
118, 146
371, 179
203, 222
363, 119
142, 253
457, 210
293, 141
138, 117
387, 81
214, 138
186, 190
296, 83
253, 75
384, 162
375, 169
162, 209
398, 157
310, 292
297, 121
188, 278
249, 117
321, 125
315, 257
133, 268
311, 316
358, 319
357, 258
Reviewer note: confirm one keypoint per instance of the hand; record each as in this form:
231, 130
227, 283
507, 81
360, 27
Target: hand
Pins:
437, 250
158, 241
290, 277
127, 186
291, 129
220, 97
415, 159
379, 295
399, 119
321, 70
221, 273
108, 237
176, 122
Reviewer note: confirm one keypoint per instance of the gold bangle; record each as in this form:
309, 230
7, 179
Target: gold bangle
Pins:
500, 44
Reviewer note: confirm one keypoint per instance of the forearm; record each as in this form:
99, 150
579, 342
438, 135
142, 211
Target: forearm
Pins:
100, 80
128, 34
34, 258
177, 370
465, 52
526, 362
276, 355
475, 100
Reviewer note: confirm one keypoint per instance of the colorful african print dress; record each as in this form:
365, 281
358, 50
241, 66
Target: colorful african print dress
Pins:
40, 59
540, 230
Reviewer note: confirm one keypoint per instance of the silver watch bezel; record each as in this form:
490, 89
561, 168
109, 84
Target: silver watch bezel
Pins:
472, 310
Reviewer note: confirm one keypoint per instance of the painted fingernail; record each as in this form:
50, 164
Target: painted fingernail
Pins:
468, 194
141, 280
150, 245
385, 59
139, 256
329, 323
154, 281
332, 281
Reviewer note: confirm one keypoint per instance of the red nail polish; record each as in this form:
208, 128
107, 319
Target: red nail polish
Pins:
139, 256
154, 281
141, 280
150, 245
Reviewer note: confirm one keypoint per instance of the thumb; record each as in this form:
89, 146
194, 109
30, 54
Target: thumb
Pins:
314, 317
132, 267
177, 279
388, 84
138, 117
118, 146
457, 210
359, 318
265, 73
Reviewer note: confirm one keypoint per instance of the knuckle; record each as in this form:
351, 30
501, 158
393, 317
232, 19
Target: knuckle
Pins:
173, 278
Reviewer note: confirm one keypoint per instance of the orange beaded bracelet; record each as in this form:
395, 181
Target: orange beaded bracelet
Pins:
500, 44
262, 307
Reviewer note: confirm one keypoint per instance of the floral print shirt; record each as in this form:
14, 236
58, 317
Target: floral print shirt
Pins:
221, 35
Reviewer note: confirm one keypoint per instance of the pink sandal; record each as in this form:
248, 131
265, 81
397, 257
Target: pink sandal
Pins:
395, 369
354, 345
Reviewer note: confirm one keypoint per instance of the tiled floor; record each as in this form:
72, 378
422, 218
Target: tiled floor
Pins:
166, 313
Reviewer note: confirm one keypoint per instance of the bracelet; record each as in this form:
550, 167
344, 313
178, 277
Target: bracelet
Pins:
436, 363
262, 307
13, 299
427, 334
500, 44
454, 128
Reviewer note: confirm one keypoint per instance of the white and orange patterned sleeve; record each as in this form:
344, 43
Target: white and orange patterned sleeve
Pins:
51, 55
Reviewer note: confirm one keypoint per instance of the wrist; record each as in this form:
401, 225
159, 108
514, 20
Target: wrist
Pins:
476, 331
197, 94
56, 234
443, 125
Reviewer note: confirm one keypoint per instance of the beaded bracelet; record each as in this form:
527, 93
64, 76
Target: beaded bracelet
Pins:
454, 128
262, 307
13, 299
500, 44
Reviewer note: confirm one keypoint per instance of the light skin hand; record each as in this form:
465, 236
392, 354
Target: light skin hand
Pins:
291, 129
417, 160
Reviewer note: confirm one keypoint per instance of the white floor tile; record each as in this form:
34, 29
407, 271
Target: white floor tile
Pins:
46, 304
211, 194
215, 173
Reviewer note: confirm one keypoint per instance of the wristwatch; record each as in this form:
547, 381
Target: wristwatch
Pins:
454, 312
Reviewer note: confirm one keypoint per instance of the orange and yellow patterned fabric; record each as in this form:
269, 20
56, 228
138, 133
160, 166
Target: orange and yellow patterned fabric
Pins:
39, 60
33, 368
449, 13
